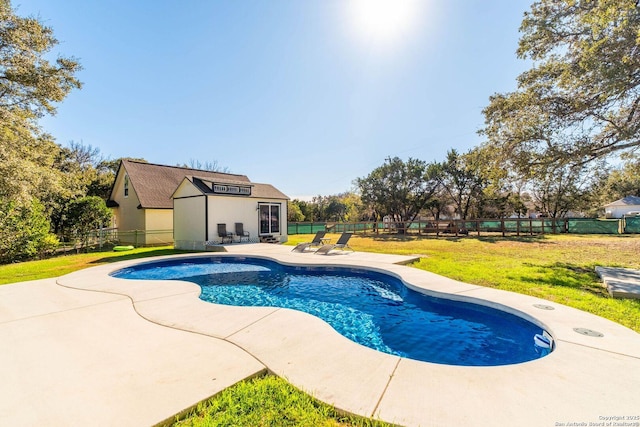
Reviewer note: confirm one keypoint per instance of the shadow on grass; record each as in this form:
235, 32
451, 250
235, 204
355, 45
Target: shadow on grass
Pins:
413, 238
539, 238
459, 238
569, 276
137, 255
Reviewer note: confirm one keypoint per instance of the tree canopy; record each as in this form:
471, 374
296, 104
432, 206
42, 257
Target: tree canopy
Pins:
87, 214
29, 87
461, 179
580, 101
28, 81
397, 188
31, 184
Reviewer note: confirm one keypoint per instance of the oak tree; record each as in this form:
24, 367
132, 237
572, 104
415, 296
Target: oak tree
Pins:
29, 82
580, 100
30, 86
398, 189
462, 180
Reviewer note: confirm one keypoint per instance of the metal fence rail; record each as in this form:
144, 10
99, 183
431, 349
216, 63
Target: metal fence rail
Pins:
504, 226
144, 237
106, 236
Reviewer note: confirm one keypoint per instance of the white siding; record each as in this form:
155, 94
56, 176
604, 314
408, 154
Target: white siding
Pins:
186, 189
189, 223
189, 212
229, 210
620, 211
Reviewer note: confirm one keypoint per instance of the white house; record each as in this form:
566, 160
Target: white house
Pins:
141, 200
143, 205
629, 205
201, 204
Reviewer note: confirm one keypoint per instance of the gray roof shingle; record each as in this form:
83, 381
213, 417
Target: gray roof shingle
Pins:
626, 201
154, 184
260, 191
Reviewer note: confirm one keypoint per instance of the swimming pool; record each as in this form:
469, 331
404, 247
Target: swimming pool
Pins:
371, 308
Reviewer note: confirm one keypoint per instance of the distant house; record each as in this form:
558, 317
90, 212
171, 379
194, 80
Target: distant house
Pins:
629, 205
202, 203
142, 199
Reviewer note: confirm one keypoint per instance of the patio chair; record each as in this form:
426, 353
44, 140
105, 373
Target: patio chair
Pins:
318, 239
223, 234
340, 244
240, 232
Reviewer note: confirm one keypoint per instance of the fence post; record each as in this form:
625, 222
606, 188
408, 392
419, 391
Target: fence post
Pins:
502, 226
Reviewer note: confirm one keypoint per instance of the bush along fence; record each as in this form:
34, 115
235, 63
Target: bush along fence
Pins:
507, 226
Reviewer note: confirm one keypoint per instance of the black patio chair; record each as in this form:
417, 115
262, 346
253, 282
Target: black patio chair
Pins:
224, 234
240, 231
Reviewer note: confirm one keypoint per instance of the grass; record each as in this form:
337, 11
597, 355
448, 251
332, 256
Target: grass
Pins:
63, 264
269, 401
558, 268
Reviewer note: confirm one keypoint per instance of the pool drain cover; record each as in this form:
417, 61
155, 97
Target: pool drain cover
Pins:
543, 307
588, 332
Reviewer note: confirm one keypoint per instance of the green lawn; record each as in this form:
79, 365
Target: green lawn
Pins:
63, 264
558, 268
269, 401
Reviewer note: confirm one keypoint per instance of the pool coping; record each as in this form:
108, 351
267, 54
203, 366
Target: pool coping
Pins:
585, 379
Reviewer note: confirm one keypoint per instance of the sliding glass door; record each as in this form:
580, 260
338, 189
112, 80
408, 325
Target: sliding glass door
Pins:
269, 218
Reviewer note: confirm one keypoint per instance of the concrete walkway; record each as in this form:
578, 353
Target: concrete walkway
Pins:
620, 282
77, 358
89, 349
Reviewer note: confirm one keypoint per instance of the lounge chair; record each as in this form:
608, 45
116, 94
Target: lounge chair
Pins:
340, 244
240, 232
318, 240
223, 234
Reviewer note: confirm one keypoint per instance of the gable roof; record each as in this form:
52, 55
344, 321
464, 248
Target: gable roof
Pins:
154, 184
258, 191
625, 201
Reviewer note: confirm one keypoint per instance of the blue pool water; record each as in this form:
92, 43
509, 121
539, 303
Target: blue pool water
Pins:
370, 308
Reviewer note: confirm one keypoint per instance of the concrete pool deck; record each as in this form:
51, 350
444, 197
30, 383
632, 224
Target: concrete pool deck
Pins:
87, 348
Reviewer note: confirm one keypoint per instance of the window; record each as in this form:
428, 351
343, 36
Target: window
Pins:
269, 218
231, 189
126, 186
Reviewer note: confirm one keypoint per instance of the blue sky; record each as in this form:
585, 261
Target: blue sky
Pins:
306, 95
